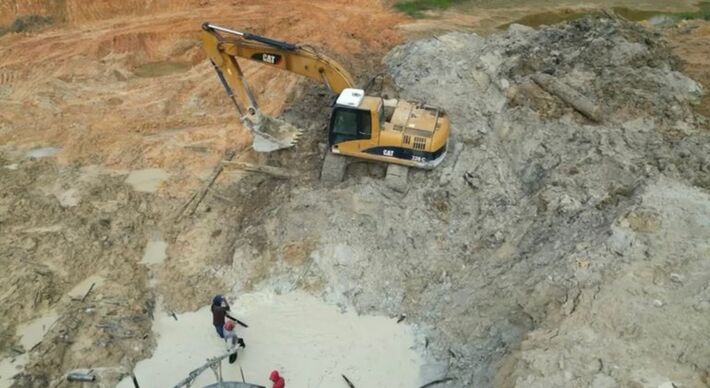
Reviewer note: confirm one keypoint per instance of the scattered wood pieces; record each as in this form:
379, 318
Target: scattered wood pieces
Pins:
268, 170
572, 97
191, 205
350, 383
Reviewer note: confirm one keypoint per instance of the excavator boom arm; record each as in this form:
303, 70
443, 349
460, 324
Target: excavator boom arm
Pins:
223, 46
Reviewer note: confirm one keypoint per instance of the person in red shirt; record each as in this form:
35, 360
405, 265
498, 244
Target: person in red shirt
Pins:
278, 380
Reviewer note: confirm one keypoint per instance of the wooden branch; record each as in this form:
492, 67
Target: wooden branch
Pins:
88, 292
350, 383
198, 196
269, 170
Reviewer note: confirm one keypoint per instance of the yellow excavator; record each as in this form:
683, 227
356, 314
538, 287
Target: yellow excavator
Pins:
366, 127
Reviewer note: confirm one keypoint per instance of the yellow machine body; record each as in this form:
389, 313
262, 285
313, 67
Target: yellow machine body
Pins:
366, 127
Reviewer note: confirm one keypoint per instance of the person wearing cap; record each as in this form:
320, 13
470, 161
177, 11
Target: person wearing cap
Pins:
220, 306
279, 382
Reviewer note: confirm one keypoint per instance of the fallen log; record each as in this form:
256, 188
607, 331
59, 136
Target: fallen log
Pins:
564, 92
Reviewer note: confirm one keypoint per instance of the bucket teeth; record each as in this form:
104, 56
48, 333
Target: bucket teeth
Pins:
274, 134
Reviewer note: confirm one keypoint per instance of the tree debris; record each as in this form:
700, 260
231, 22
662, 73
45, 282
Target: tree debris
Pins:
268, 170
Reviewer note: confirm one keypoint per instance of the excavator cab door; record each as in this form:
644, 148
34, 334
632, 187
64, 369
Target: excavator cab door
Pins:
348, 124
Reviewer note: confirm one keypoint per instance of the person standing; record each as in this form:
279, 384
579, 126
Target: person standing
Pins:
220, 306
232, 340
279, 382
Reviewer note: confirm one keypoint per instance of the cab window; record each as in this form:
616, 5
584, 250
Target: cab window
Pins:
349, 124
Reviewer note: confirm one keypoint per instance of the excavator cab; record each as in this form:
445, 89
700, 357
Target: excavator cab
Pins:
349, 122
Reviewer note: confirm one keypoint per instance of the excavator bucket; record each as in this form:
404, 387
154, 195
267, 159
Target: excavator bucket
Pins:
272, 134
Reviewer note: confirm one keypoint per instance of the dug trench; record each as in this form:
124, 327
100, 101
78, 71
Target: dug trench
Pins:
525, 260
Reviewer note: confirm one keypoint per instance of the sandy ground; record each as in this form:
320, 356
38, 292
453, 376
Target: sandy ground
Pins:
309, 342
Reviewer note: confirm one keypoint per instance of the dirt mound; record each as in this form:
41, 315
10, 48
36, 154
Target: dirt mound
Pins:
542, 184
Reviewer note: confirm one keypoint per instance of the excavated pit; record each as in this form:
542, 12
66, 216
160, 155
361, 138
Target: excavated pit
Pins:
524, 260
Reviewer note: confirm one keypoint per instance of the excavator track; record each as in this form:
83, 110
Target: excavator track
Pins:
333, 170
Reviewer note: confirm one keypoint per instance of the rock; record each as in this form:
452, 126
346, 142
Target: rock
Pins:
677, 278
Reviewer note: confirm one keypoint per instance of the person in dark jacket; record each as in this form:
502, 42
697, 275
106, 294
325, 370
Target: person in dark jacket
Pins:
277, 379
220, 306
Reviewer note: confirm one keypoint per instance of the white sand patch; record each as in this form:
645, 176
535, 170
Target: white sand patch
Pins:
311, 343
31, 333
147, 180
43, 152
154, 252
11, 366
